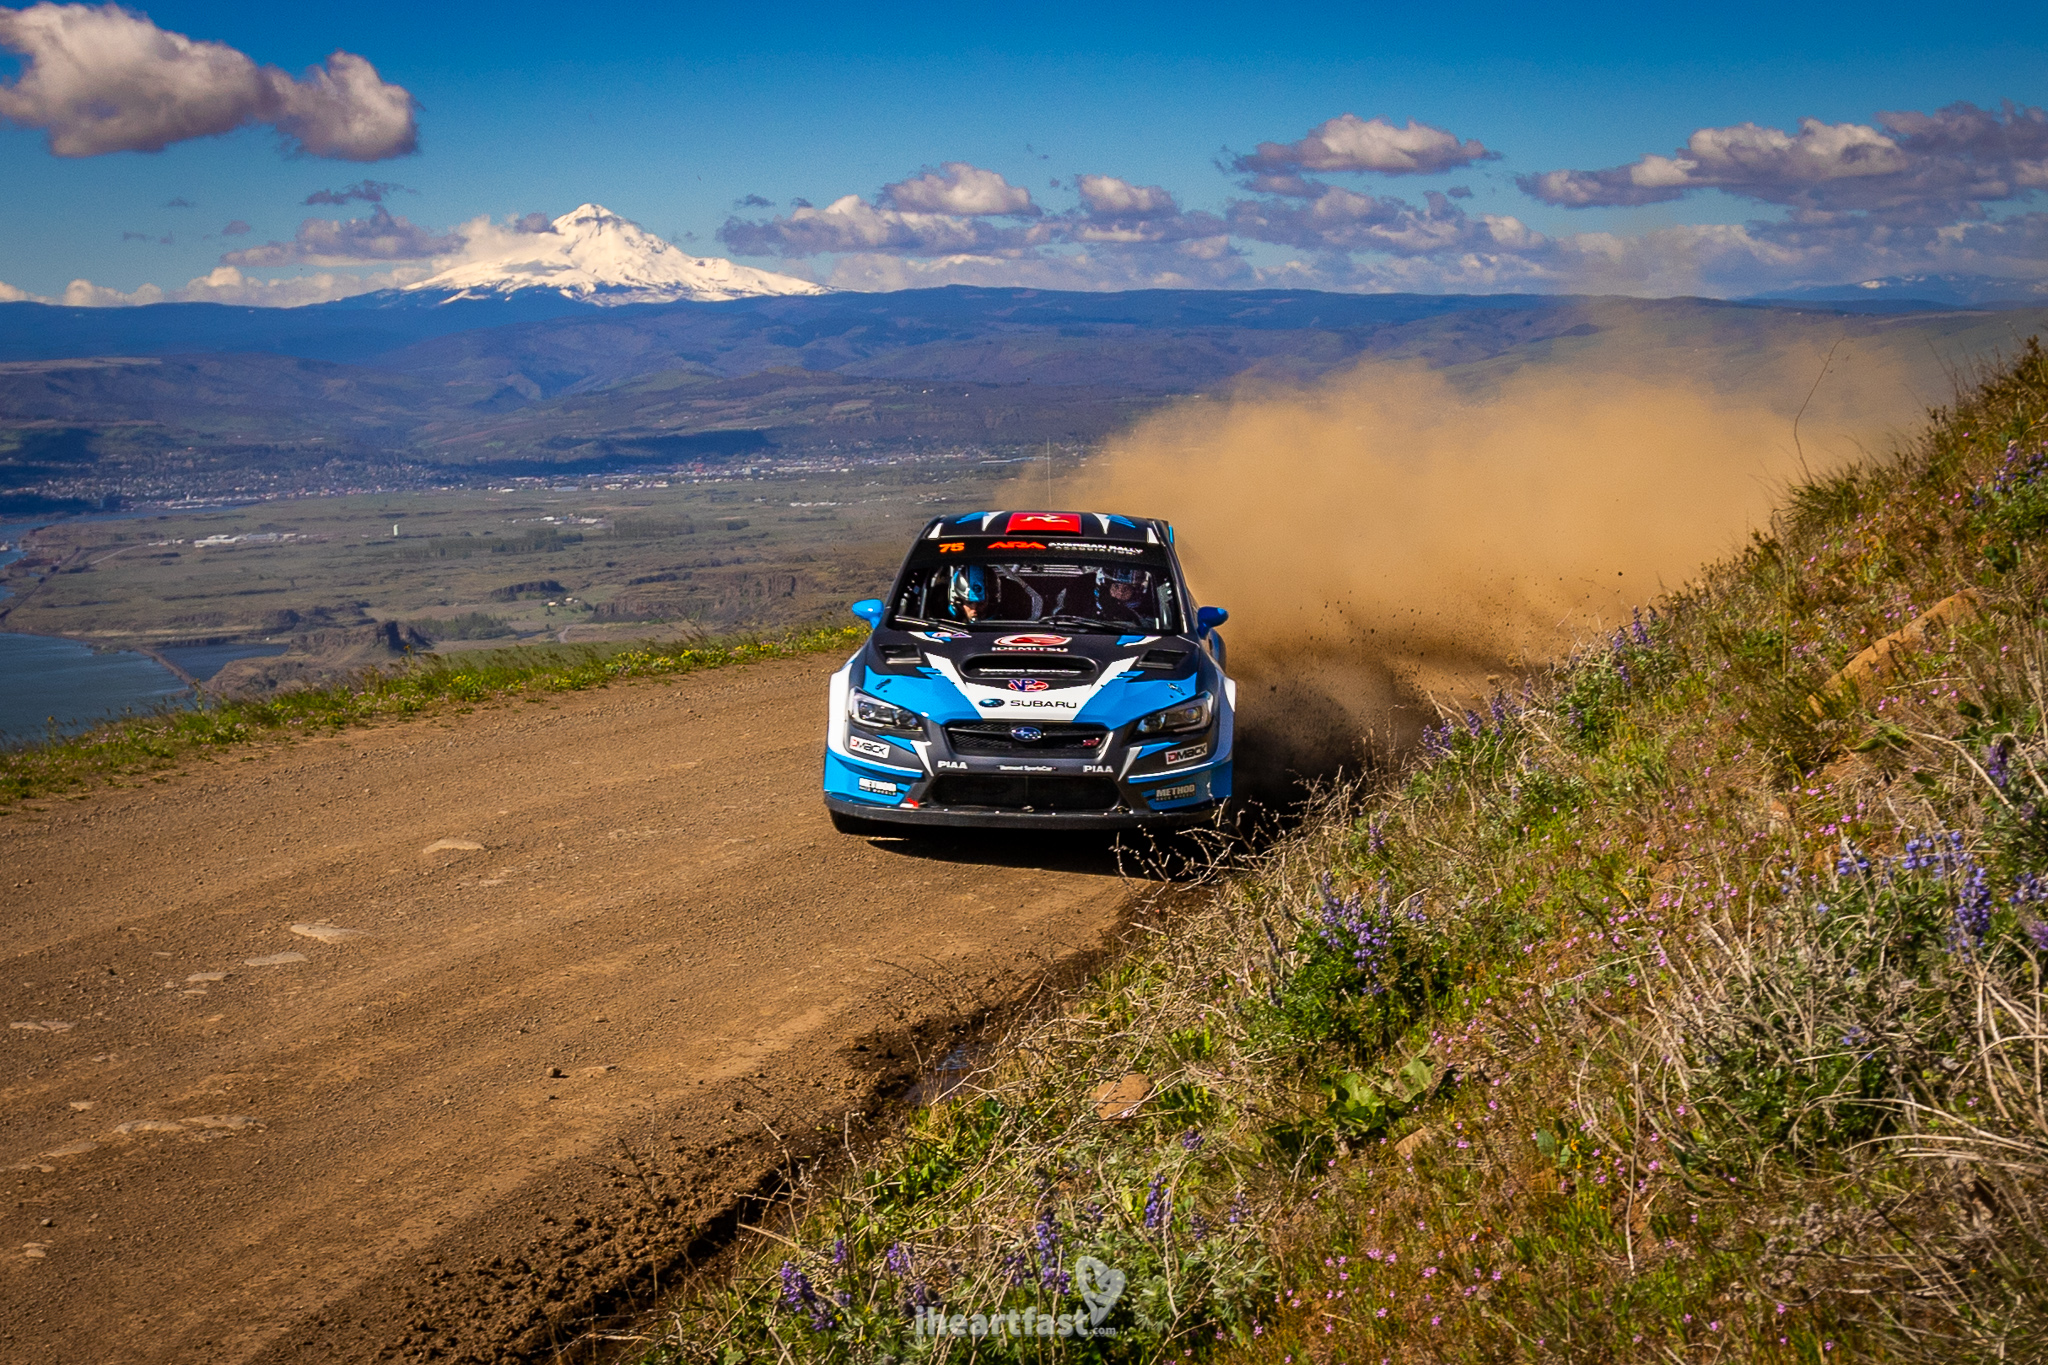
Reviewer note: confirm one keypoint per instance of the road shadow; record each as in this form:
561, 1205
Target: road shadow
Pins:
1181, 857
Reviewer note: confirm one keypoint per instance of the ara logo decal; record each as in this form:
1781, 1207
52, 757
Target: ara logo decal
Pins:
1032, 641
993, 702
1029, 684
1026, 734
1019, 522
1017, 545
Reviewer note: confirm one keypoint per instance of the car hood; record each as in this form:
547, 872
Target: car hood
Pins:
1042, 675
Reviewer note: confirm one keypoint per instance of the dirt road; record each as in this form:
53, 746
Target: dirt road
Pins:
411, 1043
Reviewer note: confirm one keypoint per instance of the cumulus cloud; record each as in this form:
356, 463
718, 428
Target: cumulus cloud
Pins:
349, 241
934, 213
181, 202
365, 191
1332, 219
225, 284
1903, 167
959, 189
101, 79
237, 228
1350, 143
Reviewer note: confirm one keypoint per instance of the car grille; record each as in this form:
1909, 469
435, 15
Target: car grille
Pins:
999, 737
1023, 793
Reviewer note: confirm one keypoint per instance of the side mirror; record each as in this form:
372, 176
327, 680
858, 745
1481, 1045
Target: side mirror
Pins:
1208, 618
870, 609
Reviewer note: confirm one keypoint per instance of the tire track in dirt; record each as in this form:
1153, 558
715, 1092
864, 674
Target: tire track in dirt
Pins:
419, 1042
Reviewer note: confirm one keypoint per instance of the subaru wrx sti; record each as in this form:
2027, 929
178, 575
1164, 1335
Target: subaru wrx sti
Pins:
1041, 670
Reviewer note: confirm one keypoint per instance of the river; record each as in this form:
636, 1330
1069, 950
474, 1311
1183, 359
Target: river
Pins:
48, 683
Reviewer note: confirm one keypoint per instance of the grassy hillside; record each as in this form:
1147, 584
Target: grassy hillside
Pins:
1686, 1006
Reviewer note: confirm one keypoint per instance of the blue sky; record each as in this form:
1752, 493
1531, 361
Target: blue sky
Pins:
673, 116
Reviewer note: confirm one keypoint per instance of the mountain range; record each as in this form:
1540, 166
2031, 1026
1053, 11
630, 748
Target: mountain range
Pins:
552, 358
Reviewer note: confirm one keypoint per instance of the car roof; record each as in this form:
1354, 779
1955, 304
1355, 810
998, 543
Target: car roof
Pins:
1099, 525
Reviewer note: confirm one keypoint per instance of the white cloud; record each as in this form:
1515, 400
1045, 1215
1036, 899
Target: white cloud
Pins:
1109, 197
101, 79
850, 223
1906, 167
226, 284
350, 241
1350, 143
960, 189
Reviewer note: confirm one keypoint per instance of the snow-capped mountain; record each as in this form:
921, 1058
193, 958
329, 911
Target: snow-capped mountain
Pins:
592, 255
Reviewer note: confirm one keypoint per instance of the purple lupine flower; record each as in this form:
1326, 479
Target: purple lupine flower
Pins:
1237, 1211
897, 1261
1473, 722
800, 1295
1638, 629
2029, 889
1973, 905
1199, 1226
1361, 932
1191, 1139
1376, 836
1155, 1205
1500, 709
2037, 933
1997, 755
839, 1253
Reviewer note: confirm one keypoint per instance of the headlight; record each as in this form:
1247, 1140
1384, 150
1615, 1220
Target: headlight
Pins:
1189, 715
877, 714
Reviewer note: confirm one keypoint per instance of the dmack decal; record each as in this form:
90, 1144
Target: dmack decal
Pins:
1187, 755
1028, 684
1032, 641
867, 746
1043, 521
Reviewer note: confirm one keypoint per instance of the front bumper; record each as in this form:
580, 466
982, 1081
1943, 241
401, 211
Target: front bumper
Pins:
980, 794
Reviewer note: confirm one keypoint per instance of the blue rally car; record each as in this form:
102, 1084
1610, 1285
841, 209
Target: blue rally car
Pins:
1038, 670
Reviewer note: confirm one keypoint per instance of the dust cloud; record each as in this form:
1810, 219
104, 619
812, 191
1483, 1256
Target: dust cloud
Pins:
1393, 539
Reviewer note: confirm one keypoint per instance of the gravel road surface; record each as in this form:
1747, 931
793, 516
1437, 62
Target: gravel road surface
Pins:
419, 1041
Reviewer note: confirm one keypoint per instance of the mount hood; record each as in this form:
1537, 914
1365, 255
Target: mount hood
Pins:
592, 255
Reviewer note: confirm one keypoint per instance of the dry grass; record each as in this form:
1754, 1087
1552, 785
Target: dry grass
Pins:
1689, 1010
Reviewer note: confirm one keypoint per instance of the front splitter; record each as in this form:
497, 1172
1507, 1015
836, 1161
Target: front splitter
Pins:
993, 817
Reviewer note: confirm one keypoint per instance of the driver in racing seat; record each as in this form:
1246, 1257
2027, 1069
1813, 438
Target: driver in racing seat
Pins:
967, 595
1120, 595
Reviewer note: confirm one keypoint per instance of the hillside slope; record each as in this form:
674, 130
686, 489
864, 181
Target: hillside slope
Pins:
1687, 1005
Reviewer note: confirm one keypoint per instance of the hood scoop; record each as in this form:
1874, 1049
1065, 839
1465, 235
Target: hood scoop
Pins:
1066, 668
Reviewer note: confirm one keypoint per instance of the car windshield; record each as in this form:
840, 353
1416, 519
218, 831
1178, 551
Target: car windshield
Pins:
1078, 595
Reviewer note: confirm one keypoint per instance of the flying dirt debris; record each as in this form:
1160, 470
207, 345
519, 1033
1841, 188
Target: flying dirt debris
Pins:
1394, 540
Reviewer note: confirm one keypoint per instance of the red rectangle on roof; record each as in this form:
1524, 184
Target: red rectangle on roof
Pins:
1043, 521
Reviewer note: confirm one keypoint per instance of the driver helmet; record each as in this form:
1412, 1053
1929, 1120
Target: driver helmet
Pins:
1119, 573
969, 585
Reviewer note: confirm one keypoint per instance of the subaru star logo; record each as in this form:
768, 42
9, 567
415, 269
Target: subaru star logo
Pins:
1026, 734
1028, 684
991, 702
